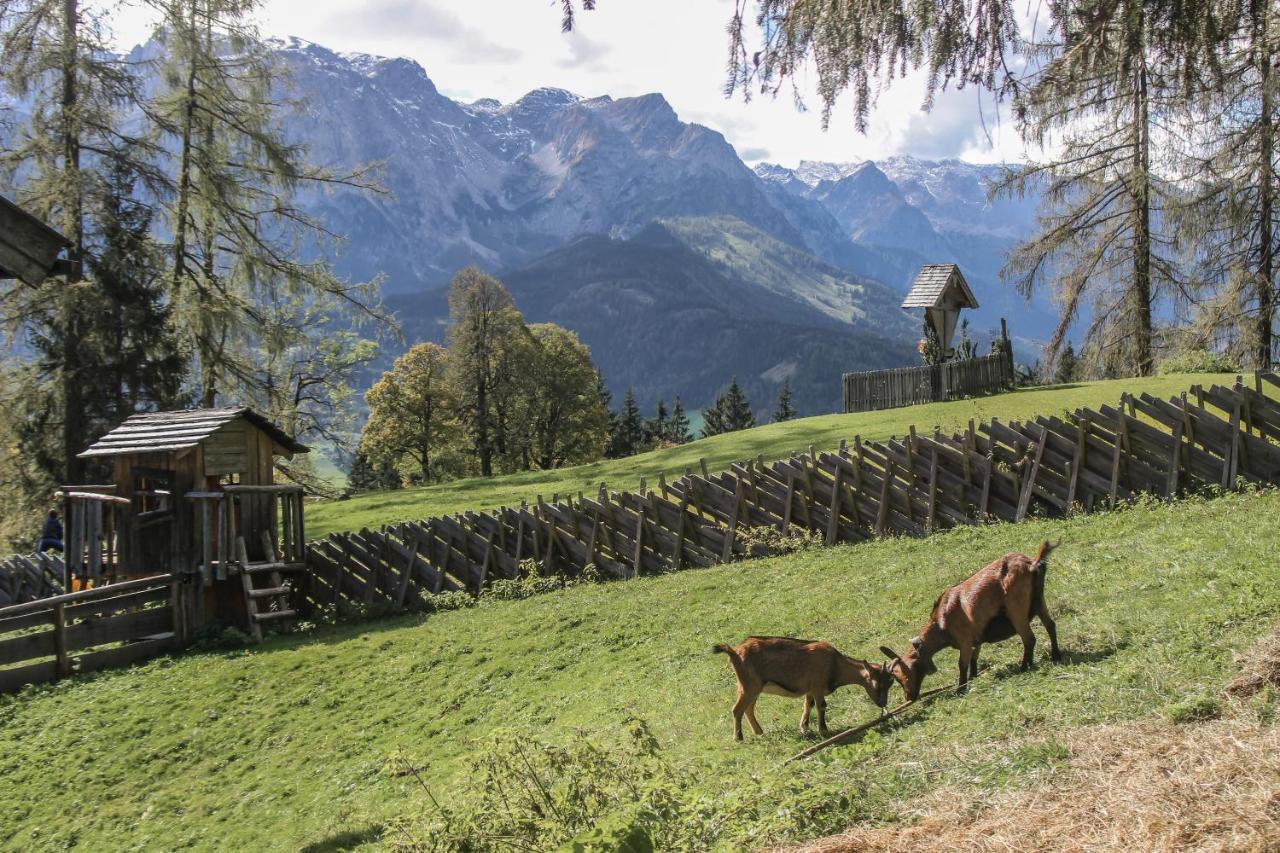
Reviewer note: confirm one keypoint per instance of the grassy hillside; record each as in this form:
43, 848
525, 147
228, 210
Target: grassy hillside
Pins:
774, 441
286, 745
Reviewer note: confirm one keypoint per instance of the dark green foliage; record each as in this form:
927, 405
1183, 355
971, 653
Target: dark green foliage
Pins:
783, 411
1068, 366
730, 413
655, 429
628, 435
368, 476
678, 426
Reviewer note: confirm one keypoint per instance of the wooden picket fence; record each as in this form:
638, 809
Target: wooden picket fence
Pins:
912, 485
929, 383
27, 577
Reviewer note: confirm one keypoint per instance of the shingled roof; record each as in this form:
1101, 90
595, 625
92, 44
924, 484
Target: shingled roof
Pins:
167, 432
932, 282
28, 248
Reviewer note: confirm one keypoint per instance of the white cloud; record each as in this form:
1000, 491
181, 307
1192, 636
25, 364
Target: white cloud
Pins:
504, 48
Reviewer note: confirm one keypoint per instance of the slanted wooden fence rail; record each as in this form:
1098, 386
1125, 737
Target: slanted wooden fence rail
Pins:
911, 485
929, 383
28, 577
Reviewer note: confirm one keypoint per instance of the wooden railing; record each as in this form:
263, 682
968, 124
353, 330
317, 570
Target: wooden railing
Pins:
87, 631
913, 485
224, 515
930, 383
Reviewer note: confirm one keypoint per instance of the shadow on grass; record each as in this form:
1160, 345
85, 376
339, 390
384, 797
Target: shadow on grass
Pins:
348, 840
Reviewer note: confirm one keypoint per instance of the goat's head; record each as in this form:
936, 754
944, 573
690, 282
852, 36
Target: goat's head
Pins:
911, 668
879, 680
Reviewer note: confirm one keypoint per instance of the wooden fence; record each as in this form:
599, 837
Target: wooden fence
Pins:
90, 630
930, 383
28, 577
911, 485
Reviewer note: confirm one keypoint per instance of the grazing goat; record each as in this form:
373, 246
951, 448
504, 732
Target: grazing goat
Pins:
992, 605
785, 666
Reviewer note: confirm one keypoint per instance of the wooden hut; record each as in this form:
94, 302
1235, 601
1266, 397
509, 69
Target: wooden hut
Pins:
29, 249
940, 289
194, 493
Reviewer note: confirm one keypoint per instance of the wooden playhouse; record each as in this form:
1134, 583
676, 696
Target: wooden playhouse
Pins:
194, 494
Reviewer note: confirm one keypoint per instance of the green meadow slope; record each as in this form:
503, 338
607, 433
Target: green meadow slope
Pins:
286, 746
773, 441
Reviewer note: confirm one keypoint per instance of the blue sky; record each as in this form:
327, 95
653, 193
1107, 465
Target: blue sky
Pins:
503, 48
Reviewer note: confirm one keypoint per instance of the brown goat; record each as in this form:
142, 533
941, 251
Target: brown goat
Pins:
992, 605
785, 666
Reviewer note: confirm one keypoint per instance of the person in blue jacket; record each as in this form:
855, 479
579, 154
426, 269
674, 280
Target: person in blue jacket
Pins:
51, 536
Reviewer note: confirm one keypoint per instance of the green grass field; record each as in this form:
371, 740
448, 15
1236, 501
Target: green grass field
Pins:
773, 441
285, 746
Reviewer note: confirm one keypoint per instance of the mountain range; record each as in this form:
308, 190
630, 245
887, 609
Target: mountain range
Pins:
679, 264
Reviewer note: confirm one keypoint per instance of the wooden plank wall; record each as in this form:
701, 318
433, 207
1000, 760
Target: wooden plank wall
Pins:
909, 386
909, 485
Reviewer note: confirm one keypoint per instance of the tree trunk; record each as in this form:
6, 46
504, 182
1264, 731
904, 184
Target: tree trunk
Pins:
73, 214
1142, 226
1266, 198
185, 165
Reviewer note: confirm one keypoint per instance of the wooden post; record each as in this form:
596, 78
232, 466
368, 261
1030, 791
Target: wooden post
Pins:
933, 491
882, 514
1175, 462
62, 662
833, 525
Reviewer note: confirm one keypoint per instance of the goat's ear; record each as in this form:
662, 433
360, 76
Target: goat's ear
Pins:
889, 653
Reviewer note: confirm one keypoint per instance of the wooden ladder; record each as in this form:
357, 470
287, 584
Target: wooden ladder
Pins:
268, 603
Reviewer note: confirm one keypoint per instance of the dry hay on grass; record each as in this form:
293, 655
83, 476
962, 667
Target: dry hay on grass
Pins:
1261, 667
1150, 786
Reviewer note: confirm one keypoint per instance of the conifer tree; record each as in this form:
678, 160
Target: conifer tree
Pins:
783, 411
236, 227
655, 429
678, 425
54, 55
628, 437
1068, 366
730, 412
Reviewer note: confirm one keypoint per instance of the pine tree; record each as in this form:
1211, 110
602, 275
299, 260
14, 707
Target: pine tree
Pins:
235, 226
1230, 224
54, 55
730, 412
628, 438
1108, 82
371, 475
783, 411
1068, 366
678, 425
655, 429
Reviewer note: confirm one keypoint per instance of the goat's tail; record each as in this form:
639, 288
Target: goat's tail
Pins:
735, 659
1042, 555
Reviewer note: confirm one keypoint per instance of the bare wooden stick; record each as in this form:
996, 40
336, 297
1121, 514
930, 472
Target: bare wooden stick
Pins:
847, 734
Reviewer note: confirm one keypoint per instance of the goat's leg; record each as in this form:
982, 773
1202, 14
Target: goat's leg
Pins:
822, 716
804, 718
973, 662
1047, 621
966, 653
1022, 624
751, 718
739, 708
